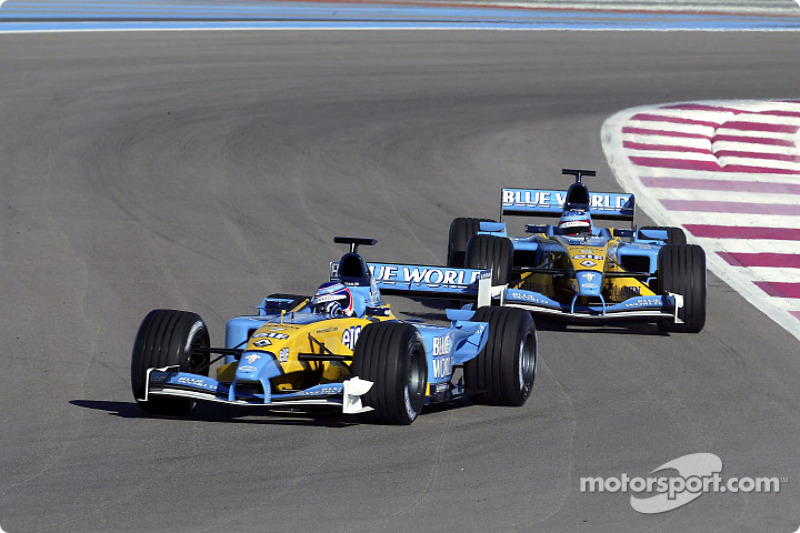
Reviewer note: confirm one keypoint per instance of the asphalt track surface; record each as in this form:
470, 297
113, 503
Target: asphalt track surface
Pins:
201, 171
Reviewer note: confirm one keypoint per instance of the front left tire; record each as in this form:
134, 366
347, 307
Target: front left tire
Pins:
168, 338
392, 356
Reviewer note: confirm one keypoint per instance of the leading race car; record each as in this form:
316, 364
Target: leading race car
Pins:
576, 271
342, 347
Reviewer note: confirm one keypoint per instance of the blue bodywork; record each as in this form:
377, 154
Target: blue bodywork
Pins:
446, 346
554, 251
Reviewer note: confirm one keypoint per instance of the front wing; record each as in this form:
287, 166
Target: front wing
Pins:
648, 308
170, 382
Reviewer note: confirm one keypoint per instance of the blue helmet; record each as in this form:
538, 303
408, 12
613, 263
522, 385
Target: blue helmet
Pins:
574, 222
333, 298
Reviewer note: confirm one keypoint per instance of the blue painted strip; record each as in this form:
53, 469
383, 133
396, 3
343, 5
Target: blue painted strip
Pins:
21, 16
341, 11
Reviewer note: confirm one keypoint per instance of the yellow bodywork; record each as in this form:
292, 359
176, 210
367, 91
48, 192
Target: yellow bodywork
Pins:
287, 340
575, 257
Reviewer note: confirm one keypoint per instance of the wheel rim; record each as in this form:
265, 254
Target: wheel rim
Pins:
197, 359
527, 361
415, 384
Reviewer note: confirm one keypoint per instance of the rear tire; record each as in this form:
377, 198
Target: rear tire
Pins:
674, 235
392, 356
491, 251
682, 270
461, 231
167, 338
504, 372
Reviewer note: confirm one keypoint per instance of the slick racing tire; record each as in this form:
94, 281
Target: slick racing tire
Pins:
167, 338
461, 231
674, 235
392, 356
504, 372
490, 251
682, 270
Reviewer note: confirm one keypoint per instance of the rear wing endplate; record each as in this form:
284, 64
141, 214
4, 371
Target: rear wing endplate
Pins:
532, 202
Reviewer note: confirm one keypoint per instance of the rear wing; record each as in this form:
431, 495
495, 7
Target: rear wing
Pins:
429, 281
533, 202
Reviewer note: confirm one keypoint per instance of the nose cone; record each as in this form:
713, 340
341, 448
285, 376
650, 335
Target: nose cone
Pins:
589, 283
253, 366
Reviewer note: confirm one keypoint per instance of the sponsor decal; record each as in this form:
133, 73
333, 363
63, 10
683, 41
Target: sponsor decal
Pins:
588, 263
588, 256
271, 335
424, 275
679, 482
329, 389
442, 345
546, 199
609, 201
589, 285
442, 367
284, 355
261, 343
533, 198
350, 336
196, 382
526, 296
442, 387
328, 330
589, 276
644, 302
252, 358
632, 291
329, 298
573, 224
247, 368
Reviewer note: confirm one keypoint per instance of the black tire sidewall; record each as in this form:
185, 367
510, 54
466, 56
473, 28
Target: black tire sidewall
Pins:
384, 354
167, 337
491, 252
461, 231
682, 270
494, 375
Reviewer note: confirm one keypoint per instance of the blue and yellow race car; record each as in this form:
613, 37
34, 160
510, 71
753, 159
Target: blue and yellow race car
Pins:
343, 347
579, 272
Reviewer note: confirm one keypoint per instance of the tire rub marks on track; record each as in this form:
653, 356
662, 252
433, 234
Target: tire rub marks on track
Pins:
729, 174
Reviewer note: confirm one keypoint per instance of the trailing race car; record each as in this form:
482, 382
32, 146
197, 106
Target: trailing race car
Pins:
342, 347
579, 272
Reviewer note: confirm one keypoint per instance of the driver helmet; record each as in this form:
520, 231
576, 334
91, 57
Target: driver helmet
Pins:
333, 298
574, 223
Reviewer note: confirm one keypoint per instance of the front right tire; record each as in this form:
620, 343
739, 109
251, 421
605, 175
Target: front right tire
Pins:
462, 230
682, 270
491, 252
